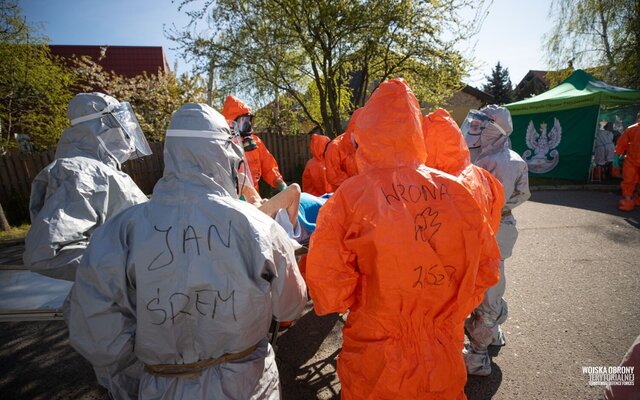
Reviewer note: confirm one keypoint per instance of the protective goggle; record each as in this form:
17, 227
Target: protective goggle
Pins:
126, 119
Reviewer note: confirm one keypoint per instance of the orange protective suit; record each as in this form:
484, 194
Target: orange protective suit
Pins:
314, 177
263, 165
340, 158
233, 107
406, 249
261, 162
629, 142
448, 152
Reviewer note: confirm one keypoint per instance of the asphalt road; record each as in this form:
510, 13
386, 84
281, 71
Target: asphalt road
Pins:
573, 288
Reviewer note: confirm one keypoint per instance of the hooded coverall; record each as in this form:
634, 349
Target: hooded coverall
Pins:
261, 161
448, 152
495, 156
314, 177
603, 147
340, 157
81, 189
629, 142
185, 279
406, 249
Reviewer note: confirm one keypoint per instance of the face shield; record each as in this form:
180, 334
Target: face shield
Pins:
130, 142
472, 128
127, 120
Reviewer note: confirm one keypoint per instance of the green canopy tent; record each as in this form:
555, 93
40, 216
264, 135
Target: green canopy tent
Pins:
554, 131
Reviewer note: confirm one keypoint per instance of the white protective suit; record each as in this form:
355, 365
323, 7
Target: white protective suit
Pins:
604, 148
487, 134
80, 189
189, 276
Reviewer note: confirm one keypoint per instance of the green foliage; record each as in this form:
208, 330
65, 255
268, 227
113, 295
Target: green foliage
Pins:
340, 49
282, 116
154, 98
34, 88
499, 85
556, 77
628, 68
597, 33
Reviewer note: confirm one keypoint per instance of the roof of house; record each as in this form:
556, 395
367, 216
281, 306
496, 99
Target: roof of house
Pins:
128, 61
534, 74
477, 93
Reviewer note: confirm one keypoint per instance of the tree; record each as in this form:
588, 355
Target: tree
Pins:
153, 97
266, 48
499, 85
34, 88
628, 68
597, 33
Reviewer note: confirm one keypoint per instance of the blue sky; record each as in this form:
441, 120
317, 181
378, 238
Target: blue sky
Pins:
112, 22
512, 32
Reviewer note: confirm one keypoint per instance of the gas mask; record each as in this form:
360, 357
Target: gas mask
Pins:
243, 127
245, 124
242, 172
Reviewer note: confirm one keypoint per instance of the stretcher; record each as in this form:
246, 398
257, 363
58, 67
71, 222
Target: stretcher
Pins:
274, 329
28, 296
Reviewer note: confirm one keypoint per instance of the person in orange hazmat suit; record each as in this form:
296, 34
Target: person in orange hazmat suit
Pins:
340, 155
261, 162
406, 249
448, 152
629, 143
314, 177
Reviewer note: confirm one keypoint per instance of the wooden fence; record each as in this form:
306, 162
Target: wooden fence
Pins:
17, 171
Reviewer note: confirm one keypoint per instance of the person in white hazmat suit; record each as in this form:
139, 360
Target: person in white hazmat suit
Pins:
487, 135
83, 186
185, 285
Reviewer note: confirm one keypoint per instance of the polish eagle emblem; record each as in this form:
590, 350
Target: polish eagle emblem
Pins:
541, 155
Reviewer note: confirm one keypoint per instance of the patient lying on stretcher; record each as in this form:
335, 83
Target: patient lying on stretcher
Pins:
295, 211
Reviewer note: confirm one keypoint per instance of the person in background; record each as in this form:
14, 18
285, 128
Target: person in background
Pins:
179, 292
405, 248
314, 177
261, 162
629, 145
340, 154
603, 151
487, 135
448, 152
618, 128
84, 186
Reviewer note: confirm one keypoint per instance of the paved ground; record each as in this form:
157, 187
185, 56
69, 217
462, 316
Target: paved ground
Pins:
573, 287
